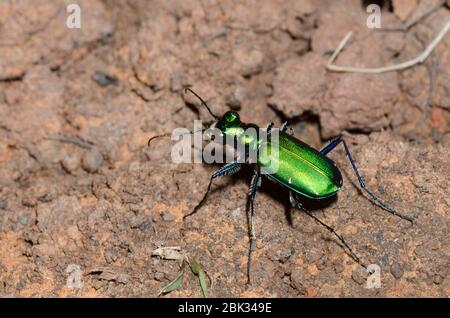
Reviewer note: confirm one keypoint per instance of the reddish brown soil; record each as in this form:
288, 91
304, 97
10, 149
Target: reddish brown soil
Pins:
78, 184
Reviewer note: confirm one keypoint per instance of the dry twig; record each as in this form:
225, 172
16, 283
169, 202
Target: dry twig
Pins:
71, 139
396, 67
405, 27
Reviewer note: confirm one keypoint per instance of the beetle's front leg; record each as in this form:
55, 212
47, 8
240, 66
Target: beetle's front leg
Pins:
227, 169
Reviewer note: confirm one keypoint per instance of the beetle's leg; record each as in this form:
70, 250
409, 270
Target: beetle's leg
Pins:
296, 204
227, 169
336, 141
254, 184
269, 128
285, 126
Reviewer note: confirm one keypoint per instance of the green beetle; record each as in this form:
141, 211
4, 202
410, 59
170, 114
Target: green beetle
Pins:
303, 170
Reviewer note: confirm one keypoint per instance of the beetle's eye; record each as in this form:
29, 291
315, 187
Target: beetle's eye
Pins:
229, 120
231, 117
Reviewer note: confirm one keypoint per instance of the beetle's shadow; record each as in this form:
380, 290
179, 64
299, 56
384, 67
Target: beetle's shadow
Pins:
281, 194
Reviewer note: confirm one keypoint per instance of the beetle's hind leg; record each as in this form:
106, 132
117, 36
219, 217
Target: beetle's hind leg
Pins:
254, 184
296, 204
336, 141
227, 169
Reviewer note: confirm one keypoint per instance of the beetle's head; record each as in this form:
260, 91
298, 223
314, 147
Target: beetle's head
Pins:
230, 124
232, 128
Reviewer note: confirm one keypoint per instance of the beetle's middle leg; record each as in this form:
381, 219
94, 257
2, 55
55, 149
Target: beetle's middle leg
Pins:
336, 141
227, 169
254, 184
296, 204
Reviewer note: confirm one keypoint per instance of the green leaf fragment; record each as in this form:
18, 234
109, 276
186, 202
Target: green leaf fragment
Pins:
198, 270
174, 284
202, 279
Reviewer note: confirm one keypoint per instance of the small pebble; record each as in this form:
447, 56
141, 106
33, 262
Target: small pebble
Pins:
313, 255
396, 270
359, 276
122, 278
23, 219
311, 292
250, 63
3, 204
29, 200
16, 175
438, 279
281, 255
139, 222
146, 225
234, 100
110, 256
338, 268
321, 264
104, 79
298, 281
159, 276
167, 216
70, 163
135, 222
92, 160
20, 285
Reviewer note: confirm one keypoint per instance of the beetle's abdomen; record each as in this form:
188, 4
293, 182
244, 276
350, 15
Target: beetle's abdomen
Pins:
300, 168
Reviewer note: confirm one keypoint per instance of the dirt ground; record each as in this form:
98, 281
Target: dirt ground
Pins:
79, 188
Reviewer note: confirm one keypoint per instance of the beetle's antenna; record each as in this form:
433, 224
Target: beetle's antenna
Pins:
187, 89
169, 134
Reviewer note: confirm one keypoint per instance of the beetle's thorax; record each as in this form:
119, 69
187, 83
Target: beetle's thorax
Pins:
233, 129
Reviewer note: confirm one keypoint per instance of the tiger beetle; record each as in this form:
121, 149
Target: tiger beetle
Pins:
302, 170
